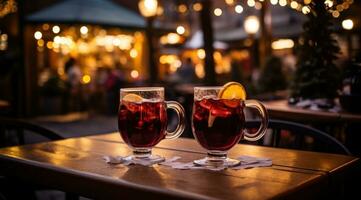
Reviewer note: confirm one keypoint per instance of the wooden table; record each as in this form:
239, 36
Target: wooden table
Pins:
280, 109
76, 165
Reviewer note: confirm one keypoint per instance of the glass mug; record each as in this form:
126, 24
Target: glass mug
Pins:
142, 120
219, 124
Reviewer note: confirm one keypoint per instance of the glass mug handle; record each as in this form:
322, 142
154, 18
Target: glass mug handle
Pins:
264, 123
178, 108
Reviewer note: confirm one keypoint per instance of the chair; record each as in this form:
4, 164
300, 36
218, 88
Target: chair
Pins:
13, 132
19, 127
293, 135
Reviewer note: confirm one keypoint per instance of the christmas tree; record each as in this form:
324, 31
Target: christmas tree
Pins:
316, 75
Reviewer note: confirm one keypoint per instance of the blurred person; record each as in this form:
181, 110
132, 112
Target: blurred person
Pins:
112, 84
73, 73
73, 95
186, 72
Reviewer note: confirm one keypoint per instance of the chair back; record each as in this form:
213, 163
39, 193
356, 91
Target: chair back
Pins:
294, 135
13, 131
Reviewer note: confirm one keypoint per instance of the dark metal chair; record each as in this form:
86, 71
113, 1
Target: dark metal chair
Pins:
13, 132
293, 135
17, 127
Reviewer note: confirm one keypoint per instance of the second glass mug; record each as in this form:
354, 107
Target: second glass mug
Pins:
142, 120
218, 125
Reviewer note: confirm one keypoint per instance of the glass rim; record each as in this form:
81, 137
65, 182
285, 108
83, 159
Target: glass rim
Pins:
207, 88
142, 89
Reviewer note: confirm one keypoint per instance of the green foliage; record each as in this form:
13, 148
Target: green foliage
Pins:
272, 77
317, 76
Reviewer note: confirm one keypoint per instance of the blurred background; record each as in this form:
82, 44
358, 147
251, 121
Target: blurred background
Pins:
62, 63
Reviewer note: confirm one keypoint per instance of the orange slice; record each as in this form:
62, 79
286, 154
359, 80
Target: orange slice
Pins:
132, 98
232, 90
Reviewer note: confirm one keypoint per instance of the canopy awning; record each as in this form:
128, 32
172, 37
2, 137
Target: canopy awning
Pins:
99, 12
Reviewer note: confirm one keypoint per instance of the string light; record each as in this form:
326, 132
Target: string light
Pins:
306, 10
56, 29
347, 24
238, 9
274, 2
335, 14
38, 35
258, 6
251, 3
230, 2
182, 8
197, 7
181, 30
84, 30
282, 2
133, 53
294, 4
134, 74
217, 12
329, 3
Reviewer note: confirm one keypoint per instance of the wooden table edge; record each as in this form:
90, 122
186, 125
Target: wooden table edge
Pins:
85, 177
354, 158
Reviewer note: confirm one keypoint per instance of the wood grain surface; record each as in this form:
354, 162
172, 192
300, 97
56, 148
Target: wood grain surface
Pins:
76, 165
281, 110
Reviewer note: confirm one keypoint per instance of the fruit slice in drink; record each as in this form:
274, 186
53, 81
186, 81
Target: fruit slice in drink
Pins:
230, 91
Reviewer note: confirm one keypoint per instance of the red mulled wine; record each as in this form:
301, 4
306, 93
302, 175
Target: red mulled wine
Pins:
218, 123
142, 125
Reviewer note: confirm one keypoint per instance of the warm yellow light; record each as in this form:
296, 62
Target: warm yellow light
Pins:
181, 30
230, 2
57, 39
49, 44
238, 9
134, 74
148, 8
199, 70
329, 3
163, 39
305, 10
251, 3
347, 24
56, 29
160, 10
45, 27
217, 56
173, 38
38, 35
86, 79
251, 24
84, 30
4, 37
182, 8
282, 2
335, 14
40, 42
175, 65
217, 12
274, 2
294, 4
201, 53
133, 53
283, 44
307, 1
258, 6
163, 59
197, 7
